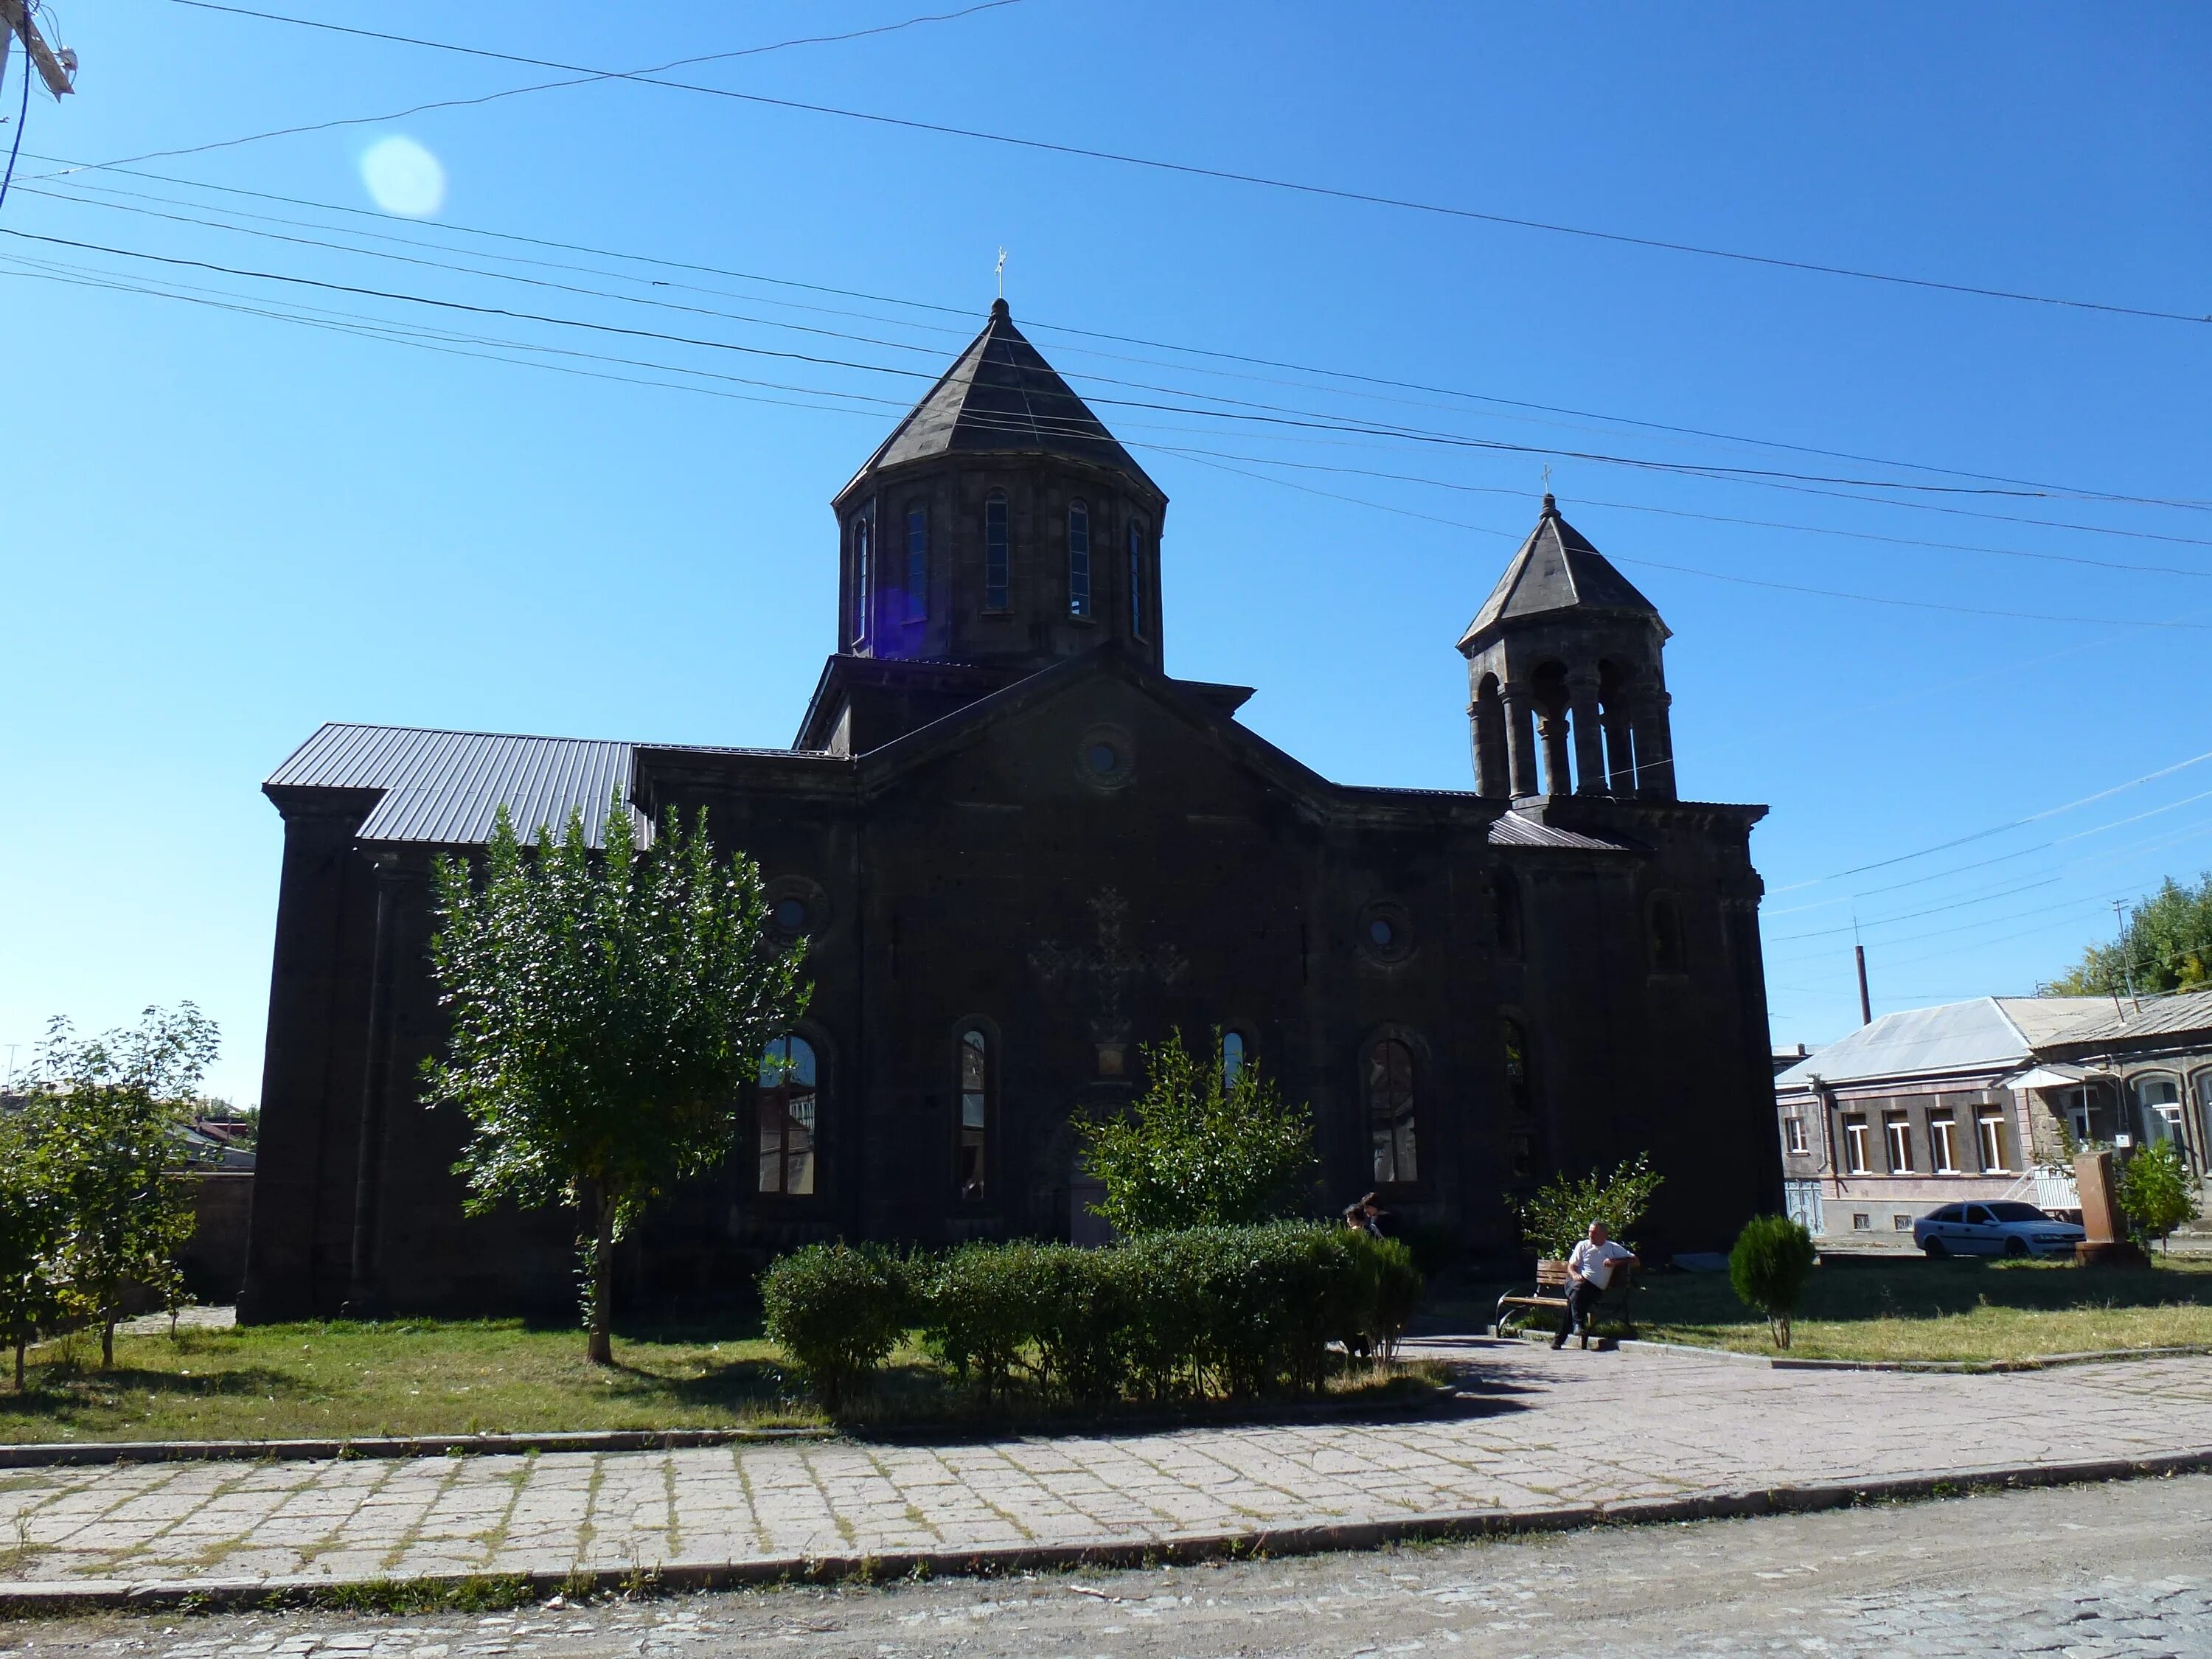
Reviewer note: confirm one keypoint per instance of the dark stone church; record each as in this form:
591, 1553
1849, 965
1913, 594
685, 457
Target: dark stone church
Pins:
1019, 848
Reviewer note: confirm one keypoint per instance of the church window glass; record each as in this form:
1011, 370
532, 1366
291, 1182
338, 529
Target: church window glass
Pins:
863, 528
975, 1112
789, 1097
1390, 1110
1515, 1038
917, 563
1078, 560
995, 555
1232, 1056
1136, 581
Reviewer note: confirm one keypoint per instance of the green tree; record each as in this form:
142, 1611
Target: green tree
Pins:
108, 1110
2165, 944
608, 1010
1770, 1266
1198, 1149
30, 1233
1560, 1211
2156, 1191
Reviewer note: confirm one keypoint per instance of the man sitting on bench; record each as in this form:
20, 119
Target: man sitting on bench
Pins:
1589, 1270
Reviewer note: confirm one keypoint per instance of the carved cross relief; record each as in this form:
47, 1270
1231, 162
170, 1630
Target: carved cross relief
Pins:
1110, 967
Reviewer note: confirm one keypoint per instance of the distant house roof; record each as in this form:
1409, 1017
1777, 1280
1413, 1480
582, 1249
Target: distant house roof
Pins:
1990, 1033
1000, 396
1556, 569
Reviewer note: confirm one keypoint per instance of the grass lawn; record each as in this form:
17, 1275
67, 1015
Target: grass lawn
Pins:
1908, 1308
344, 1380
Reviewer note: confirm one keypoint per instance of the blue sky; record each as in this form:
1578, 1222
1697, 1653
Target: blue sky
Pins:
222, 528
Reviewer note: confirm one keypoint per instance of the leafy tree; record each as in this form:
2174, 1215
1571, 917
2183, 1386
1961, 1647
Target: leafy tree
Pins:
2165, 944
608, 1012
31, 1234
1560, 1211
1770, 1266
2156, 1191
107, 1110
1198, 1149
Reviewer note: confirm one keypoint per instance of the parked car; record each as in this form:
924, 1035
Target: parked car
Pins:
1999, 1227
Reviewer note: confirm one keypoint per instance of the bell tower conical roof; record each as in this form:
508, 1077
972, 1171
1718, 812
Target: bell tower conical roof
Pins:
1556, 570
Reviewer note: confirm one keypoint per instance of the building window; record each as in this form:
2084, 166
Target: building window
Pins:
863, 534
1989, 1130
1505, 911
1794, 1127
1861, 1222
974, 1113
1900, 1223
2158, 1107
917, 563
996, 560
1666, 935
788, 1096
1941, 1153
1078, 560
1515, 1038
1232, 1058
1136, 581
1523, 1147
1855, 1145
1390, 1110
1897, 1126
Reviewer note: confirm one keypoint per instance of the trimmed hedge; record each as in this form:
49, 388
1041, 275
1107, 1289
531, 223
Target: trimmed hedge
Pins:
1244, 1312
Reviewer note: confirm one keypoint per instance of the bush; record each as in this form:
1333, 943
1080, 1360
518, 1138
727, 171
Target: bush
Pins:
837, 1310
1769, 1266
2156, 1191
1560, 1213
1388, 1289
982, 1305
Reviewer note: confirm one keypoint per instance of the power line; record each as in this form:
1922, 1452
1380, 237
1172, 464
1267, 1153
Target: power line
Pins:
1225, 174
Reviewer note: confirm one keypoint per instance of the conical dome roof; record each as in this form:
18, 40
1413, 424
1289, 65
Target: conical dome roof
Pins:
1001, 396
1556, 570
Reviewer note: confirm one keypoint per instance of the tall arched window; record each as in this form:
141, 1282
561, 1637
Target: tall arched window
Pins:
1136, 581
1666, 934
1519, 1097
788, 1120
1389, 1091
1079, 559
1232, 1057
996, 558
2158, 1108
863, 535
1505, 907
917, 562
974, 1113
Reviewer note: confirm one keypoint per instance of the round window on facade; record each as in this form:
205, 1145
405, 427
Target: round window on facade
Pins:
1385, 931
797, 907
791, 916
1105, 759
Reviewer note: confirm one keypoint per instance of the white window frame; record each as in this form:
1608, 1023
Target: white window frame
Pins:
1988, 1135
1942, 1148
1855, 1145
1897, 1140
1794, 1133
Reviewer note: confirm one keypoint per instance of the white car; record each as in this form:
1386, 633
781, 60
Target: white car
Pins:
1998, 1227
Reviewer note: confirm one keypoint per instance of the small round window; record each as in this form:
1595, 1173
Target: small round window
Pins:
1105, 757
1385, 931
1381, 933
1101, 759
790, 914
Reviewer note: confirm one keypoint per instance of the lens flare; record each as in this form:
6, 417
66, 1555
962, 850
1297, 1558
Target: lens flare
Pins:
404, 178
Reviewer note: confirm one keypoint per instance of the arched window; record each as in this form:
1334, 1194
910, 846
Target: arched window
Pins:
1666, 934
788, 1123
1232, 1057
974, 1113
917, 562
1389, 1091
2158, 1108
1514, 1037
996, 559
863, 534
1079, 559
1505, 908
1136, 581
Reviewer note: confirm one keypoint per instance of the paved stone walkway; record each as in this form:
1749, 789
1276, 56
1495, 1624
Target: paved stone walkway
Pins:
1539, 1431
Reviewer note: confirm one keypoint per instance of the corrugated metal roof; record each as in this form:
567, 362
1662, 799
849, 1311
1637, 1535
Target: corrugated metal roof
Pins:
1958, 1036
1511, 829
445, 788
2044, 1020
2167, 1016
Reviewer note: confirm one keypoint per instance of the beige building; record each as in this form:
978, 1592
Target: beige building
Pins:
1976, 1100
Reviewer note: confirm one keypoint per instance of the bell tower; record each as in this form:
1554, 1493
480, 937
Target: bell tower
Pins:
1000, 525
1568, 692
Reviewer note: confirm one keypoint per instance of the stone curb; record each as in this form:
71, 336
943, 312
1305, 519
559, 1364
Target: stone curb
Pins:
79, 1452
2040, 1362
38, 1599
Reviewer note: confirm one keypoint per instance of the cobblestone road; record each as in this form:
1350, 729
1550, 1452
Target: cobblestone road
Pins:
2086, 1572
1537, 1431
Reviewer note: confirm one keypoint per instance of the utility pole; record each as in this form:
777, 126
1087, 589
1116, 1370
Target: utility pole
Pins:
1866, 1003
58, 68
2127, 956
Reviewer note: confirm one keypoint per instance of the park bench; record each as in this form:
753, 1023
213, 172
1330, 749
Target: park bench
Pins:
1551, 1295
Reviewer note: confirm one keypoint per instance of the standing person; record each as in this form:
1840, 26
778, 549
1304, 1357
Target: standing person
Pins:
1589, 1270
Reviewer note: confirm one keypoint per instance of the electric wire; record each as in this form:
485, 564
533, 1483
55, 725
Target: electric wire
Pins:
1227, 175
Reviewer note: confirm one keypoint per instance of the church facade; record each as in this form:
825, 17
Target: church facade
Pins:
1018, 850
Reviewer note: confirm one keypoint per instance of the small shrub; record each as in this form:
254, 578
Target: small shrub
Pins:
1770, 1265
1083, 1332
2156, 1191
981, 1305
837, 1310
1389, 1284
1560, 1212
